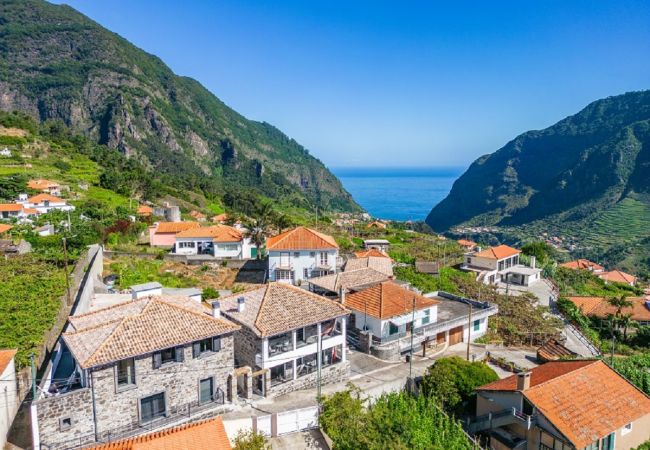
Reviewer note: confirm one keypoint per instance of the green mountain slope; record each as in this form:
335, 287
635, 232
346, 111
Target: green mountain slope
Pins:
56, 63
579, 174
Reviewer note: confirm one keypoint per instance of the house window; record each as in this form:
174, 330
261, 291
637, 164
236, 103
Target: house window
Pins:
229, 247
307, 335
608, 442
283, 275
477, 325
206, 390
626, 429
186, 244
332, 355
65, 423
280, 344
305, 272
296, 254
427, 317
168, 355
126, 373
312, 254
392, 328
323, 259
307, 364
206, 346
500, 266
282, 373
152, 407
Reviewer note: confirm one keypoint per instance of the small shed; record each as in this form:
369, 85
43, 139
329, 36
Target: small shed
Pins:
146, 289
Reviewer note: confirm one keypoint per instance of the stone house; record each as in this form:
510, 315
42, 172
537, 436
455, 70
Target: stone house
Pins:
563, 405
288, 337
132, 368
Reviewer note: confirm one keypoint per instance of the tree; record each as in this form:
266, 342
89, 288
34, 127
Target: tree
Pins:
452, 381
258, 227
619, 303
542, 251
250, 440
625, 322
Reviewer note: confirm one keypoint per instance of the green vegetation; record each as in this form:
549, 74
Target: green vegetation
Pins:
451, 381
636, 369
395, 421
250, 440
30, 292
132, 271
584, 283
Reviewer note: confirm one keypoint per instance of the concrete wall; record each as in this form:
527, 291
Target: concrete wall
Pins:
300, 263
639, 434
331, 374
9, 400
381, 328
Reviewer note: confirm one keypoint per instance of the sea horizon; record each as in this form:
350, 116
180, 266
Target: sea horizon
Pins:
398, 193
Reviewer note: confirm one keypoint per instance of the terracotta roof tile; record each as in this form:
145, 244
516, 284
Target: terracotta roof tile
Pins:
41, 184
139, 327
218, 233
371, 252
208, 434
539, 375
278, 307
5, 358
498, 252
10, 207
600, 307
144, 210
45, 198
378, 263
301, 238
553, 350
220, 217
386, 300
617, 276
197, 214
4, 228
175, 227
466, 243
583, 264
349, 279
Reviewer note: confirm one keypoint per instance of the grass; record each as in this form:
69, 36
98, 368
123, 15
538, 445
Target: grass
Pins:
625, 223
136, 271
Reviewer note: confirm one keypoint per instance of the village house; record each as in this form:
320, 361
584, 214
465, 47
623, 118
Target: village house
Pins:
219, 241
45, 186
171, 213
467, 244
144, 211
563, 405
500, 264
163, 234
11, 211
371, 252
219, 218
336, 285
134, 367
209, 434
376, 225
378, 244
601, 308
8, 393
617, 276
379, 263
300, 254
43, 203
197, 215
288, 337
4, 228
583, 264
389, 320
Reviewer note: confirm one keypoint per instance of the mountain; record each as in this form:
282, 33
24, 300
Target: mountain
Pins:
582, 174
55, 63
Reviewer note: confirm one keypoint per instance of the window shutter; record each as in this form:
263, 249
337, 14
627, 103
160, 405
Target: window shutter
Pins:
196, 349
157, 360
216, 344
180, 354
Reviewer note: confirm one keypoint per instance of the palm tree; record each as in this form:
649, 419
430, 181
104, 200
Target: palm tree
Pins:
625, 322
258, 227
619, 303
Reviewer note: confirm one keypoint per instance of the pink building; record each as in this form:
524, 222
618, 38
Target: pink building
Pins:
163, 234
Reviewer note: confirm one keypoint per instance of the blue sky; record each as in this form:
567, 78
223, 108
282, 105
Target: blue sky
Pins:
377, 83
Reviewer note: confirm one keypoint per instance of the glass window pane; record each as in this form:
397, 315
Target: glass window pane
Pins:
152, 407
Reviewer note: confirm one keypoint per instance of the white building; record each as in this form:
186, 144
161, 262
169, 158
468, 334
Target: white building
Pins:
220, 241
300, 254
44, 203
378, 244
500, 264
8, 393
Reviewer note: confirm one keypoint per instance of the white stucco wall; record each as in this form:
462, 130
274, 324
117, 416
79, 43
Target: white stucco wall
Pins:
299, 260
381, 328
9, 401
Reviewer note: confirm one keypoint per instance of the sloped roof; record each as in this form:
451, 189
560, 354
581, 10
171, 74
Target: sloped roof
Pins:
5, 358
583, 264
371, 252
145, 210
600, 307
301, 238
220, 217
386, 300
139, 327
349, 279
207, 434
498, 252
617, 276
45, 198
4, 228
41, 184
378, 263
175, 227
552, 350
218, 233
10, 207
279, 307
197, 214
466, 243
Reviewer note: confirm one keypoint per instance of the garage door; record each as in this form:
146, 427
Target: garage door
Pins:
455, 335
440, 338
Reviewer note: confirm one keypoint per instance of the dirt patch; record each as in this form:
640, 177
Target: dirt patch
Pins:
13, 132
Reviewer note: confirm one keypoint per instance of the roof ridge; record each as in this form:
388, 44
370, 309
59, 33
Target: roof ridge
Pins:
259, 310
544, 383
106, 308
204, 315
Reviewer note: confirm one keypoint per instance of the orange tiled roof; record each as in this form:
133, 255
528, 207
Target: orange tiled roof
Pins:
197, 214
380, 264
498, 252
278, 307
144, 210
176, 227
372, 252
220, 217
4, 228
10, 207
41, 184
386, 300
208, 434
218, 233
600, 307
5, 358
44, 198
583, 264
30, 211
301, 238
466, 243
617, 276
376, 224
139, 327
552, 350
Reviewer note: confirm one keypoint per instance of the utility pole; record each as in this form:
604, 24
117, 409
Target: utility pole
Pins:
67, 277
412, 329
469, 328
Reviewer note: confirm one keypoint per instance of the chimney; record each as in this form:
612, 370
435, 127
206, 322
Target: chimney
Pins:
216, 309
342, 295
478, 249
533, 262
523, 381
241, 304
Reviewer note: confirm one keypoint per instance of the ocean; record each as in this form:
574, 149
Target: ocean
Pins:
398, 193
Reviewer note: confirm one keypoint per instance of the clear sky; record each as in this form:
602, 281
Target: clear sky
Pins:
410, 83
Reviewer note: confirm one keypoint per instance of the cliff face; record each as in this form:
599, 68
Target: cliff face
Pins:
571, 171
56, 63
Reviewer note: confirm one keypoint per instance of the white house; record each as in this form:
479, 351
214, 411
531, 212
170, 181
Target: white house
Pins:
288, 333
500, 264
220, 241
11, 211
8, 393
44, 203
378, 244
300, 254
45, 186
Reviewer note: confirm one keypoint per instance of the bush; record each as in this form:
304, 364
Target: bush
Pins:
210, 293
250, 440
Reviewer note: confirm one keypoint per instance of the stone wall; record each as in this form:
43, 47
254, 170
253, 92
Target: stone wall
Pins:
247, 345
76, 405
331, 374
